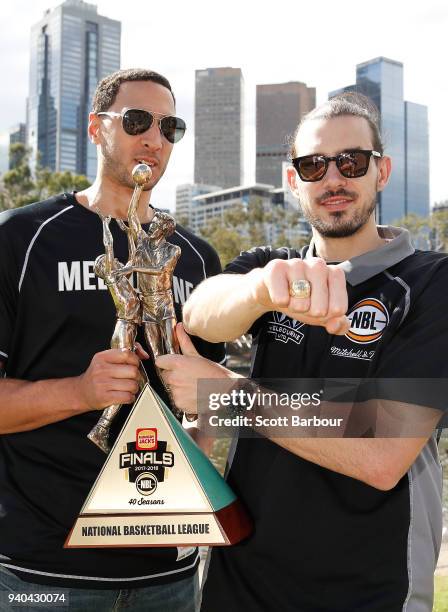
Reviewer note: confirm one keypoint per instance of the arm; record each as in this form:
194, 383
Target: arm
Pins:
108, 241
129, 269
111, 378
224, 307
378, 462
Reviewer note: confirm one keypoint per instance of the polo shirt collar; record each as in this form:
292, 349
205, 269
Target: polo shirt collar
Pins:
365, 266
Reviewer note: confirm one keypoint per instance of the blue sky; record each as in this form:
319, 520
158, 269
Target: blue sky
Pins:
317, 43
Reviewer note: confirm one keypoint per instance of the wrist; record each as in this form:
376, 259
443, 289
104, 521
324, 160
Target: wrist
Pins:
257, 295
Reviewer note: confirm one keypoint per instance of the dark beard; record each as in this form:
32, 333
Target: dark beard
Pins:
118, 171
339, 228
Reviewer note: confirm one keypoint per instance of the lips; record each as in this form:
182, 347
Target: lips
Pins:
150, 161
336, 203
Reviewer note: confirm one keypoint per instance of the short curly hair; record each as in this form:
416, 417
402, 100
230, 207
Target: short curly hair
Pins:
107, 89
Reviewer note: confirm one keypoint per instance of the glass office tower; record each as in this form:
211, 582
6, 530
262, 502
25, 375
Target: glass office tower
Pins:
72, 48
381, 80
404, 128
417, 159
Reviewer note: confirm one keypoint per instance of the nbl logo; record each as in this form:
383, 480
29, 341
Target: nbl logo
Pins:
368, 320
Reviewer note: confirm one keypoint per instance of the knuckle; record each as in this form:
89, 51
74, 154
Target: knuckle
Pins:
317, 263
318, 313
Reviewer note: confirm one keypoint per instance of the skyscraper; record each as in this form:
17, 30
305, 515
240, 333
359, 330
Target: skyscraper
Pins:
417, 158
404, 126
280, 107
218, 153
72, 48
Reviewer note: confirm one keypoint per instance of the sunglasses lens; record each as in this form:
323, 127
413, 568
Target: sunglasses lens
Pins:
173, 128
311, 168
136, 121
353, 164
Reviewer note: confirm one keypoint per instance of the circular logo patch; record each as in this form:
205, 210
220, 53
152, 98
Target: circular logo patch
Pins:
368, 319
146, 483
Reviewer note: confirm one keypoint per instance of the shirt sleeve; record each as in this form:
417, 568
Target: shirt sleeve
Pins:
8, 290
246, 261
414, 359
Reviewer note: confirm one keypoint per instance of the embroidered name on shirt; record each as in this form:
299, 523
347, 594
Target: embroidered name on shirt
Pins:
285, 329
79, 276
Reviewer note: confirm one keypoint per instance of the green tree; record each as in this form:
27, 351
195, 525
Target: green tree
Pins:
19, 187
419, 228
439, 225
243, 227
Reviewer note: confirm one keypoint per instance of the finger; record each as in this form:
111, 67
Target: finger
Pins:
276, 281
186, 345
123, 371
338, 326
317, 275
123, 384
123, 356
169, 362
337, 289
140, 351
297, 271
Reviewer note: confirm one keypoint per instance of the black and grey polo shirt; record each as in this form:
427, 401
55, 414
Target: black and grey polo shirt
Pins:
324, 541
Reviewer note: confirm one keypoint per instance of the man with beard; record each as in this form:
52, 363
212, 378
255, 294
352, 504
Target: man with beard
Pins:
56, 322
341, 524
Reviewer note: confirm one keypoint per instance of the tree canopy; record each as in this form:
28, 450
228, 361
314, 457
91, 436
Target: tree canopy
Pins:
19, 186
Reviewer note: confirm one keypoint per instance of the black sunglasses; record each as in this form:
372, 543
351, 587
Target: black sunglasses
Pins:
352, 163
136, 121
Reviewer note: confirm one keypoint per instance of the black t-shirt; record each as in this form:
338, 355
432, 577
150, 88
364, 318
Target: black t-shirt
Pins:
324, 541
55, 314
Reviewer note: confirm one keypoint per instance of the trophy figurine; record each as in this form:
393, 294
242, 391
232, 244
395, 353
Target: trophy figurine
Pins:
156, 488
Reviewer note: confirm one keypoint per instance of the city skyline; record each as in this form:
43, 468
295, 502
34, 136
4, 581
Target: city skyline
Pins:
72, 47
404, 130
290, 45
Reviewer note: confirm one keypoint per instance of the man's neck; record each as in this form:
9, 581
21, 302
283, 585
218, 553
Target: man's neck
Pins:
113, 199
340, 249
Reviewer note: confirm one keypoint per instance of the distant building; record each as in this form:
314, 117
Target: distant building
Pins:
16, 134
404, 127
184, 199
218, 153
280, 107
72, 48
214, 205
417, 159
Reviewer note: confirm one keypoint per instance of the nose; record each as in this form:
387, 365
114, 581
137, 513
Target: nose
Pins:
333, 179
152, 138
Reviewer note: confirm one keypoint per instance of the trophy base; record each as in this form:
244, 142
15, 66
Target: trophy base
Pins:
225, 527
157, 488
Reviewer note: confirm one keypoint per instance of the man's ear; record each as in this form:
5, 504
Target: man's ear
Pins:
291, 175
94, 128
384, 171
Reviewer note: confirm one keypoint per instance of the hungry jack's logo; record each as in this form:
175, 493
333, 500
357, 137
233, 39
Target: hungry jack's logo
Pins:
146, 438
368, 320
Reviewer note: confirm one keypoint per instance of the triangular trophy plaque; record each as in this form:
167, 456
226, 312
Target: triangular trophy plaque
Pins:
157, 488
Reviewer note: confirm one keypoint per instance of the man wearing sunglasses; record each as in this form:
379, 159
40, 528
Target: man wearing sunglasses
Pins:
340, 524
56, 323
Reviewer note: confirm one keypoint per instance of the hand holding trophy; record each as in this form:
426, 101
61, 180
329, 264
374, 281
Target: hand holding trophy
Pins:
156, 488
